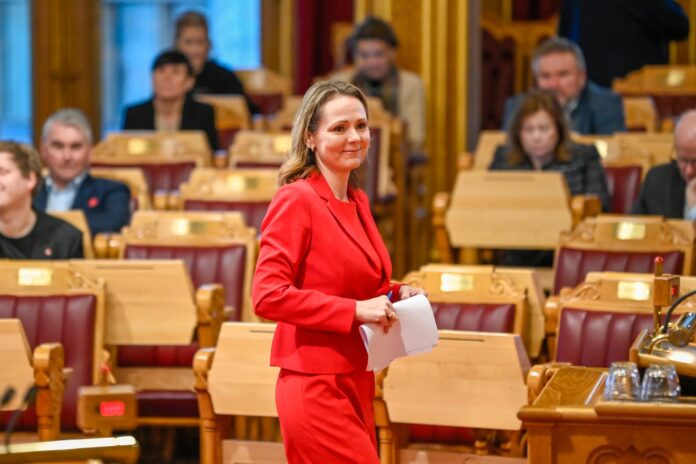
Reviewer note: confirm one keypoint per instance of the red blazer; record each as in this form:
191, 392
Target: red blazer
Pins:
312, 268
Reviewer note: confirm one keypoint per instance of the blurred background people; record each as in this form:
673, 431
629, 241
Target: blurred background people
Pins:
670, 189
620, 36
559, 66
66, 147
193, 40
538, 140
24, 232
171, 108
374, 45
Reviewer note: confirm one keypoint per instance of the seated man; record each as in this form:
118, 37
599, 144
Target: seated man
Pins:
24, 232
669, 189
66, 145
193, 41
558, 65
171, 108
374, 52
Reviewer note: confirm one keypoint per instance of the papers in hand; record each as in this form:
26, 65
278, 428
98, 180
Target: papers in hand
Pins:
415, 332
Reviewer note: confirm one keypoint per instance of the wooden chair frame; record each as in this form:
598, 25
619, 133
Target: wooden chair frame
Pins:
77, 219
133, 178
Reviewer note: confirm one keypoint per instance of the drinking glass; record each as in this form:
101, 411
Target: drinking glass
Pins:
660, 383
623, 382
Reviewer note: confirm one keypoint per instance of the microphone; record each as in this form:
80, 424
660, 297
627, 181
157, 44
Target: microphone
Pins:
7, 396
28, 401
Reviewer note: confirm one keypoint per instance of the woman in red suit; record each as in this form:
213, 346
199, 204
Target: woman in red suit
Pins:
322, 271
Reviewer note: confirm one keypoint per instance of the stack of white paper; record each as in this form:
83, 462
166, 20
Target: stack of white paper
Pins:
415, 332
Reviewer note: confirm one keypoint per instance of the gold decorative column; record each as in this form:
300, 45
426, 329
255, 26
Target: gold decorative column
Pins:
66, 59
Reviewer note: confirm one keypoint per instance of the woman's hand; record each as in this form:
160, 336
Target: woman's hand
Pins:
406, 291
378, 311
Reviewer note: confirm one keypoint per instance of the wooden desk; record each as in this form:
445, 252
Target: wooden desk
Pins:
569, 423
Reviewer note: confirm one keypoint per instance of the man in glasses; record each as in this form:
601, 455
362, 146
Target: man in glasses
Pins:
670, 189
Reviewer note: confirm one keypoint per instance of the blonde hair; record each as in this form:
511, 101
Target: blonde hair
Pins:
302, 160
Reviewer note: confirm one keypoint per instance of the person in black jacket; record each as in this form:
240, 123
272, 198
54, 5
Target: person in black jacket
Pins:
193, 40
66, 147
24, 232
620, 36
669, 189
171, 107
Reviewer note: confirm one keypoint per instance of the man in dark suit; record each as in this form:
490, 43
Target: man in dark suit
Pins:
619, 36
670, 189
66, 145
171, 107
559, 66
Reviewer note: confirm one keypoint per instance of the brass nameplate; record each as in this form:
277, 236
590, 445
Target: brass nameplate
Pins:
637, 291
186, 227
281, 145
238, 183
456, 282
675, 78
629, 231
137, 146
34, 276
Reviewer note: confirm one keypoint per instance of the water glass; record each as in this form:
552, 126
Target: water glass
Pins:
660, 383
623, 382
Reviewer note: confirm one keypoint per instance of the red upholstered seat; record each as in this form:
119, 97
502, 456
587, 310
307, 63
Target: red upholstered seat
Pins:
65, 319
572, 264
470, 317
253, 211
597, 338
164, 176
268, 103
624, 186
209, 264
226, 137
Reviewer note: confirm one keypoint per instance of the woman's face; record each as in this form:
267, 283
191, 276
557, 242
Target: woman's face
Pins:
342, 137
538, 135
193, 42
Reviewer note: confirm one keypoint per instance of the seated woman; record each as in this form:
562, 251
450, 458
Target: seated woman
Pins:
539, 140
171, 108
24, 232
192, 39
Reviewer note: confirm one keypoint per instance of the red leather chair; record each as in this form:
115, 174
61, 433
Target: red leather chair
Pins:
161, 177
624, 185
622, 244
68, 309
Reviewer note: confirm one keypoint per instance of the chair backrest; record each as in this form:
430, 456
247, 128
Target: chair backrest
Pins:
624, 183
134, 178
651, 149
624, 244
166, 158
231, 115
248, 191
58, 304
510, 209
641, 114
485, 299
216, 247
21, 370
597, 322
76, 218
235, 379
266, 88
488, 141
259, 149
282, 120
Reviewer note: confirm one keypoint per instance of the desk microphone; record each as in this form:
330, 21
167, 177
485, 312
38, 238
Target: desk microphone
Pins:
7, 396
27, 402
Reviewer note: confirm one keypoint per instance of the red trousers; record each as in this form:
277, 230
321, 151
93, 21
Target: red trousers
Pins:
327, 418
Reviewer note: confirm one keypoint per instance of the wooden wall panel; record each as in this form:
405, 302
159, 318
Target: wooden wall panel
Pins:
66, 59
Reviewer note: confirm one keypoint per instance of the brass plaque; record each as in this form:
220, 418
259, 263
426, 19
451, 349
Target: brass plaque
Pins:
137, 146
675, 78
34, 276
629, 231
238, 183
456, 282
637, 291
281, 145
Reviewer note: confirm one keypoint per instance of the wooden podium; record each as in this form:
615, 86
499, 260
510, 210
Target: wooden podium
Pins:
569, 423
